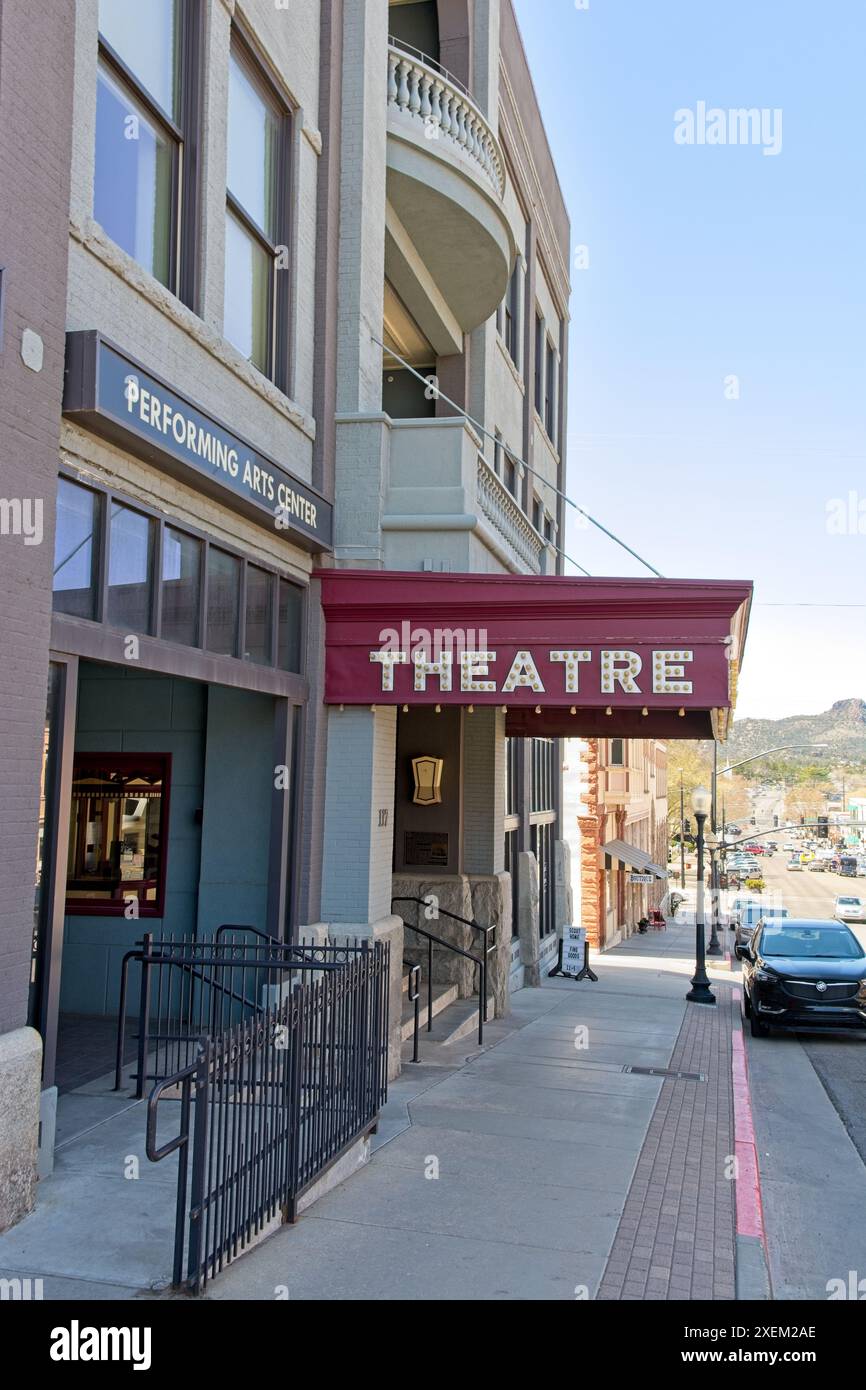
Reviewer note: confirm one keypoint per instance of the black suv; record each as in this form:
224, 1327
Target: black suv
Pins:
803, 974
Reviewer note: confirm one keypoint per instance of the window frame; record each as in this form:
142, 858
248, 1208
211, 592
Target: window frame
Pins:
550, 393
108, 496
185, 208
278, 366
511, 316
99, 907
539, 363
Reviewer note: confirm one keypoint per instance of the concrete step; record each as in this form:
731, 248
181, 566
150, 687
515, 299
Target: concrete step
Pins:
443, 996
458, 1020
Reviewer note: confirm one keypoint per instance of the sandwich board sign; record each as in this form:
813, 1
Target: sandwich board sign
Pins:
573, 950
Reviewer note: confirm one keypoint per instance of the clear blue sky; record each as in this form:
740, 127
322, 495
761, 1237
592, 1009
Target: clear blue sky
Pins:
707, 261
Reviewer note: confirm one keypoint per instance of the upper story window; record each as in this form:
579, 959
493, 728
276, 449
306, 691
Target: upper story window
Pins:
617, 752
511, 316
144, 171
550, 375
539, 364
256, 257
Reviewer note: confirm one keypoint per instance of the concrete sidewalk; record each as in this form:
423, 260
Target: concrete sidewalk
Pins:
538, 1167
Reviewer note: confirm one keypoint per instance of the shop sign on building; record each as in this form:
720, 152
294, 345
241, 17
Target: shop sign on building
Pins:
118, 398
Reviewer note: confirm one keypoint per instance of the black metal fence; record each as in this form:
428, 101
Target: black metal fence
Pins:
289, 1070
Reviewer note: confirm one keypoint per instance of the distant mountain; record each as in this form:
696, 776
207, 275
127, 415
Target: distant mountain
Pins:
843, 727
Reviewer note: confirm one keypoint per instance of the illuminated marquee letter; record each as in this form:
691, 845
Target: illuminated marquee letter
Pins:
441, 667
622, 667
523, 672
388, 660
572, 668
473, 665
668, 673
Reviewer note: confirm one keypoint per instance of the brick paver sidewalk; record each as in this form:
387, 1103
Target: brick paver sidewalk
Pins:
676, 1236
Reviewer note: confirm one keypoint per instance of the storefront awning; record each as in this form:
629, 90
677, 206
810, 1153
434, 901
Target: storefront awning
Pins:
633, 857
563, 657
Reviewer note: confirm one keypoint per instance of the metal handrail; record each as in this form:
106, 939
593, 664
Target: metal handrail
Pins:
489, 934
181, 1141
150, 953
413, 995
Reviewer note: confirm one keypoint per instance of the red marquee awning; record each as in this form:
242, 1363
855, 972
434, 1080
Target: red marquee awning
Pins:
565, 657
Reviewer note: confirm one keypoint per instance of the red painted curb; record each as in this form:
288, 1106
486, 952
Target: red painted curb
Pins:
750, 1211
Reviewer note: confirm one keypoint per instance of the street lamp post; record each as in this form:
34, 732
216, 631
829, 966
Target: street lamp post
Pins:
700, 992
714, 948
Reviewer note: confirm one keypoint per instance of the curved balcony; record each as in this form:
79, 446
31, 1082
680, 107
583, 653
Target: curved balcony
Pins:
446, 180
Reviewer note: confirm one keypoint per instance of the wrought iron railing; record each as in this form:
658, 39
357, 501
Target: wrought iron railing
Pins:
274, 1099
489, 945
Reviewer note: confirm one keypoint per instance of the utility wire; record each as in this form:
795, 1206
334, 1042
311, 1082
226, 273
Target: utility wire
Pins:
440, 395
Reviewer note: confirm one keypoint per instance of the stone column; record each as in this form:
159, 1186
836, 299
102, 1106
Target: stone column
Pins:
491, 902
563, 898
527, 916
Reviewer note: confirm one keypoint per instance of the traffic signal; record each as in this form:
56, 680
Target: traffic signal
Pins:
822, 830
775, 822
687, 826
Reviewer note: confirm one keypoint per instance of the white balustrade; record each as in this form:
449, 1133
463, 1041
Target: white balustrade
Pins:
507, 517
444, 112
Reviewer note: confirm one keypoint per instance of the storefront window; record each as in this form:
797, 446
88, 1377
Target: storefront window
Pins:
181, 587
259, 614
76, 550
117, 834
153, 574
289, 626
130, 569
223, 602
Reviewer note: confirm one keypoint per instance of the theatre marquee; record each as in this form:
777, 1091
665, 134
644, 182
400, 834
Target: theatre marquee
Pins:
561, 656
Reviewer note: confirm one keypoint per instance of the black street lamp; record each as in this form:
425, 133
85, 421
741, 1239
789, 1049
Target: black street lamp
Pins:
700, 992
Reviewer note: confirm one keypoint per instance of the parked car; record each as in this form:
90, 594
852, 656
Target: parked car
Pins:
794, 865
805, 974
849, 909
740, 861
752, 914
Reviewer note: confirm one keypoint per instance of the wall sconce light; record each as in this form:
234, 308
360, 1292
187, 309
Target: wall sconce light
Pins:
427, 773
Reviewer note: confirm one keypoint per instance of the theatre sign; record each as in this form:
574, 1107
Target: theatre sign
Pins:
561, 656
